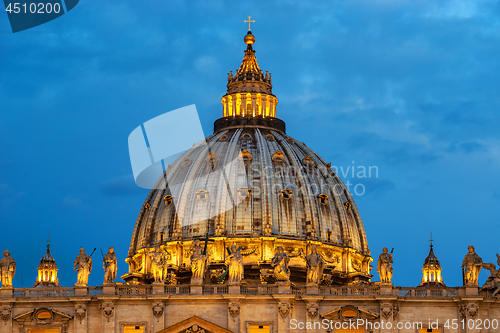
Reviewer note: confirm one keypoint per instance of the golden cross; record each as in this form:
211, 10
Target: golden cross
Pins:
249, 21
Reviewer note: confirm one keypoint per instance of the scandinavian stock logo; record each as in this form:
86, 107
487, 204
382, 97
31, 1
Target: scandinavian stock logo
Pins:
28, 14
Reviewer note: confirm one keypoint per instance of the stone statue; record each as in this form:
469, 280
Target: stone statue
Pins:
158, 262
280, 264
236, 269
199, 262
83, 265
110, 266
384, 266
7, 269
315, 265
471, 266
493, 282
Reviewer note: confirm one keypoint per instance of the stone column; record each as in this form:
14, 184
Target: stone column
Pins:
81, 290
158, 288
158, 308
6, 314
7, 292
312, 289
109, 289
108, 315
285, 305
469, 310
312, 311
234, 312
81, 318
284, 287
388, 309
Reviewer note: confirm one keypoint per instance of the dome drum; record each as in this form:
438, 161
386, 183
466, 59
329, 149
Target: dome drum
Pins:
343, 265
234, 122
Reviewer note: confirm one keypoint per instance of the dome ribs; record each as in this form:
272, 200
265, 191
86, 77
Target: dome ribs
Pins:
148, 230
221, 206
262, 211
306, 194
265, 163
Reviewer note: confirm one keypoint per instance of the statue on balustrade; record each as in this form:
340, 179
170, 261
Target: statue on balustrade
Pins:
110, 266
493, 282
158, 266
236, 269
280, 264
384, 266
471, 266
315, 265
7, 269
83, 265
199, 262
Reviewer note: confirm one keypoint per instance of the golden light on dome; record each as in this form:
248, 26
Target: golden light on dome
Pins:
431, 271
249, 38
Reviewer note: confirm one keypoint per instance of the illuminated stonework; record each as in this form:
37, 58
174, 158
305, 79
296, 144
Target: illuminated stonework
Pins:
249, 90
47, 271
432, 271
287, 196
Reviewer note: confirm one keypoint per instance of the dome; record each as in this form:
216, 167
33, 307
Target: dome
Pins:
252, 185
47, 271
431, 259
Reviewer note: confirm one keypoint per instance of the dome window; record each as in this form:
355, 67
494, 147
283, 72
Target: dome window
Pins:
213, 159
290, 140
243, 192
168, 200
201, 195
278, 157
323, 199
223, 138
246, 137
286, 194
308, 162
147, 206
246, 156
270, 137
186, 162
347, 206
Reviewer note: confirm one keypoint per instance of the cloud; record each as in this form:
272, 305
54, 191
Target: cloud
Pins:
467, 147
120, 186
72, 201
377, 185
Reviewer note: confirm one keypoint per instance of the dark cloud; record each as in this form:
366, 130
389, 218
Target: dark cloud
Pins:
375, 186
122, 186
467, 147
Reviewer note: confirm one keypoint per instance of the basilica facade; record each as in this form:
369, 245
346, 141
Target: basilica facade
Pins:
249, 231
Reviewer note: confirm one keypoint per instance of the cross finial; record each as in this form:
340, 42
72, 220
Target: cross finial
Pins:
48, 240
431, 240
249, 21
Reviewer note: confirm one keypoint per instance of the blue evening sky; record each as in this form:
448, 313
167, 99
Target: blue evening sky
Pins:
410, 87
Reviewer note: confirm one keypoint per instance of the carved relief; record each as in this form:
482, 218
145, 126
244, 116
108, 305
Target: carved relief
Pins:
107, 309
158, 310
80, 311
195, 329
234, 309
312, 309
6, 312
395, 311
469, 310
386, 310
284, 309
